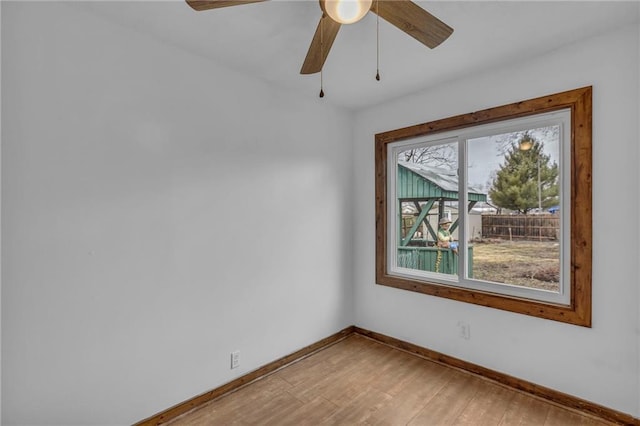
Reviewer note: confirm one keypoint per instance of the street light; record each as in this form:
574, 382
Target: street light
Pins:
526, 143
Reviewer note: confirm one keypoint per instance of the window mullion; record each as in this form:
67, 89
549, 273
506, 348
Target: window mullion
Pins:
462, 210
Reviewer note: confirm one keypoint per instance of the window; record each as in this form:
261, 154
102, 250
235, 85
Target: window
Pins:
491, 207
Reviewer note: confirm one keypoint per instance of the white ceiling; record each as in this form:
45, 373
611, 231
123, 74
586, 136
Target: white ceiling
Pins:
269, 40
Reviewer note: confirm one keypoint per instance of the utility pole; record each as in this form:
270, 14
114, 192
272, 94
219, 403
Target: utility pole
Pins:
539, 187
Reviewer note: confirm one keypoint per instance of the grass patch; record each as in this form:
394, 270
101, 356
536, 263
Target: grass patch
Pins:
525, 263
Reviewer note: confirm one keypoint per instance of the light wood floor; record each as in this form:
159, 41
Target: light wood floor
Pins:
360, 381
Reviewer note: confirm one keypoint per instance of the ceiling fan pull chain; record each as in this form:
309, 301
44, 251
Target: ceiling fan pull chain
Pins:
377, 40
321, 53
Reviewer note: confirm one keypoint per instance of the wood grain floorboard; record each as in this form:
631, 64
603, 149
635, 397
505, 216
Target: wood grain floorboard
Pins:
414, 395
558, 416
525, 410
447, 405
361, 381
313, 413
487, 406
359, 410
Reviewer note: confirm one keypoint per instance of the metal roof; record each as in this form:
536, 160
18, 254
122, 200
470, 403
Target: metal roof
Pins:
445, 179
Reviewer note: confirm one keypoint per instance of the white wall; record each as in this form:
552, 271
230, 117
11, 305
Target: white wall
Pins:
158, 212
598, 364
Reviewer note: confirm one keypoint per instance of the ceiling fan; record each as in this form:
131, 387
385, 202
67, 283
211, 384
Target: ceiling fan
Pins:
403, 14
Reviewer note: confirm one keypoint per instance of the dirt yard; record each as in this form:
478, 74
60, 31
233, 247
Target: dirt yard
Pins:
526, 263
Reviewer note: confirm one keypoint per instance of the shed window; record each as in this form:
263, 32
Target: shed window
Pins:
492, 208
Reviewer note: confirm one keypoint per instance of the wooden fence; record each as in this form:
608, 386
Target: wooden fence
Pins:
521, 227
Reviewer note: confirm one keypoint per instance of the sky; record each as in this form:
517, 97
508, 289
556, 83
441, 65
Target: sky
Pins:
485, 154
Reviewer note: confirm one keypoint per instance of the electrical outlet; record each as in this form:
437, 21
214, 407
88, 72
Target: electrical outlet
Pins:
235, 359
464, 330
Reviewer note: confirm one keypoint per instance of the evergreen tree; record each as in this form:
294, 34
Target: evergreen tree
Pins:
515, 185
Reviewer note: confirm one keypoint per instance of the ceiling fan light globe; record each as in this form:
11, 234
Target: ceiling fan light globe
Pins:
347, 11
525, 144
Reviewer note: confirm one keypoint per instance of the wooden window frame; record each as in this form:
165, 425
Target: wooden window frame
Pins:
578, 311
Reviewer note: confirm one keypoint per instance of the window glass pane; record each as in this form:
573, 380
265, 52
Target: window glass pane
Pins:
427, 208
515, 234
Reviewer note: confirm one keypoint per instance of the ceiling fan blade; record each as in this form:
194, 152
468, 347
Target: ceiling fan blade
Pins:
216, 4
413, 20
326, 33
